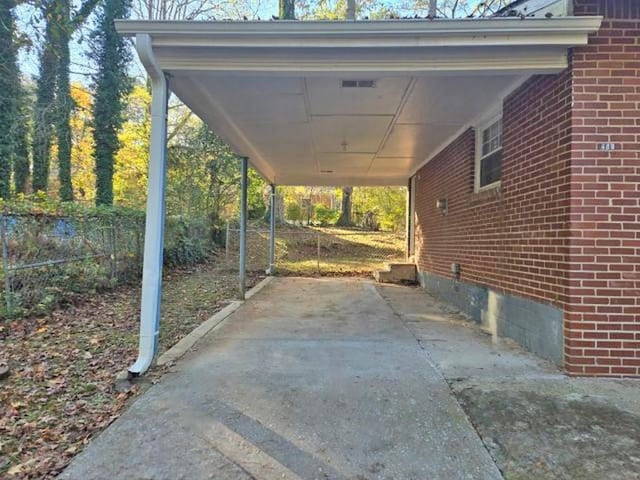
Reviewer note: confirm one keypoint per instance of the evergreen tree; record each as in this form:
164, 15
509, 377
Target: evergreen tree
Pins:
111, 83
9, 94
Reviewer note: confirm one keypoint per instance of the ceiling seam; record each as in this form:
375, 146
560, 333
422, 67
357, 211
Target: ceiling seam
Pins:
403, 100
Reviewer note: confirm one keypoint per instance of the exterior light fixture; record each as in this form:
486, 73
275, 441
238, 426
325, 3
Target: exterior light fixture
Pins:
443, 205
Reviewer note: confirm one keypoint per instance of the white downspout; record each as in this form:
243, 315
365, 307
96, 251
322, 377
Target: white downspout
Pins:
154, 227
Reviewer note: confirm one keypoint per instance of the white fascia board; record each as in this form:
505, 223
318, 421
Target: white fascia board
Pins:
495, 44
383, 33
500, 60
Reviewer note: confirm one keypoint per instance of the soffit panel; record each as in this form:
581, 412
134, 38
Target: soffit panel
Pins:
451, 101
349, 134
416, 140
328, 97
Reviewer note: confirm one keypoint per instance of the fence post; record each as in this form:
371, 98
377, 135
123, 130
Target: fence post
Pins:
114, 258
227, 240
318, 238
5, 265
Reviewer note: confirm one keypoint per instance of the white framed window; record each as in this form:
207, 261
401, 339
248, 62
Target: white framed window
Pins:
488, 169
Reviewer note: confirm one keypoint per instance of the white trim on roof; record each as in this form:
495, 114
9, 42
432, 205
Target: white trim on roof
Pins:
406, 32
449, 45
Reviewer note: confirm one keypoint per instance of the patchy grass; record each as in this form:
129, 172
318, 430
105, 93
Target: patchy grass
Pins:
336, 251
61, 389
340, 251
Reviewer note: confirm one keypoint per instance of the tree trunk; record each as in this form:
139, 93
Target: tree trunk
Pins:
287, 9
9, 95
43, 112
21, 157
111, 84
351, 9
345, 214
65, 104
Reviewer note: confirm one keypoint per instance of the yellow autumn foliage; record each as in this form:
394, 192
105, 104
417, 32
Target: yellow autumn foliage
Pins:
83, 177
130, 170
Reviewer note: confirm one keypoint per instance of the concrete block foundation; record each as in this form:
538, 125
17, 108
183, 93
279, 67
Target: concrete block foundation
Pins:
538, 327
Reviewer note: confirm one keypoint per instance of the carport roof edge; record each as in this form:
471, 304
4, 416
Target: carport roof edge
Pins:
494, 31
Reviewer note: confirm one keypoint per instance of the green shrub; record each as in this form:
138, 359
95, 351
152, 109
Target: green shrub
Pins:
187, 241
59, 251
325, 216
294, 212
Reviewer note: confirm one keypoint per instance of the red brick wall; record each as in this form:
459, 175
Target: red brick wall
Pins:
514, 239
608, 8
564, 228
602, 328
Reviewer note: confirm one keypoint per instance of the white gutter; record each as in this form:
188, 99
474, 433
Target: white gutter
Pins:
154, 227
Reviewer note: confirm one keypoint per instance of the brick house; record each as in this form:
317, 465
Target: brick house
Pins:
518, 136
543, 207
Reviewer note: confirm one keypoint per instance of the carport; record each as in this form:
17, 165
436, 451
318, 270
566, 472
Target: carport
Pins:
332, 103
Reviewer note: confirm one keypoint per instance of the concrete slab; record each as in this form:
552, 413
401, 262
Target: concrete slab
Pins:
535, 421
310, 379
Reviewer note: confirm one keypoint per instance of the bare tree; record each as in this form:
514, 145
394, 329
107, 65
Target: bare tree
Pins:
455, 8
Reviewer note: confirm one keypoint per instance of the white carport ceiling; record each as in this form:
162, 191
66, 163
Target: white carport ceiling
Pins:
274, 90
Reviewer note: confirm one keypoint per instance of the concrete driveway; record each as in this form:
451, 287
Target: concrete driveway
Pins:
310, 379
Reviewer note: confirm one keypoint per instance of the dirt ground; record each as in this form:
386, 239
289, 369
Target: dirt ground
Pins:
548, 432
61, 392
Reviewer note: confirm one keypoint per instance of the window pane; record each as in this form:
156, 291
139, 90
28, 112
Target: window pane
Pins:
491, 168
492, 138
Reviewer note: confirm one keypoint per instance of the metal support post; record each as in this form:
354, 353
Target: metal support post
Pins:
408, 221
242, 274
5, 265
272, 233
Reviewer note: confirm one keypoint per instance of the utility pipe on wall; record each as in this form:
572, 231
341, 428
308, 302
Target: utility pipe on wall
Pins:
154, 226
242, 275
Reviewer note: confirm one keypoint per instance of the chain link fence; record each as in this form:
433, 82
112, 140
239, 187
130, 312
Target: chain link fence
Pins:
317, 250
50, 260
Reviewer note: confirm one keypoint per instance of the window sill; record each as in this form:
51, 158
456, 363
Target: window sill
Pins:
488, 193
491, 186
